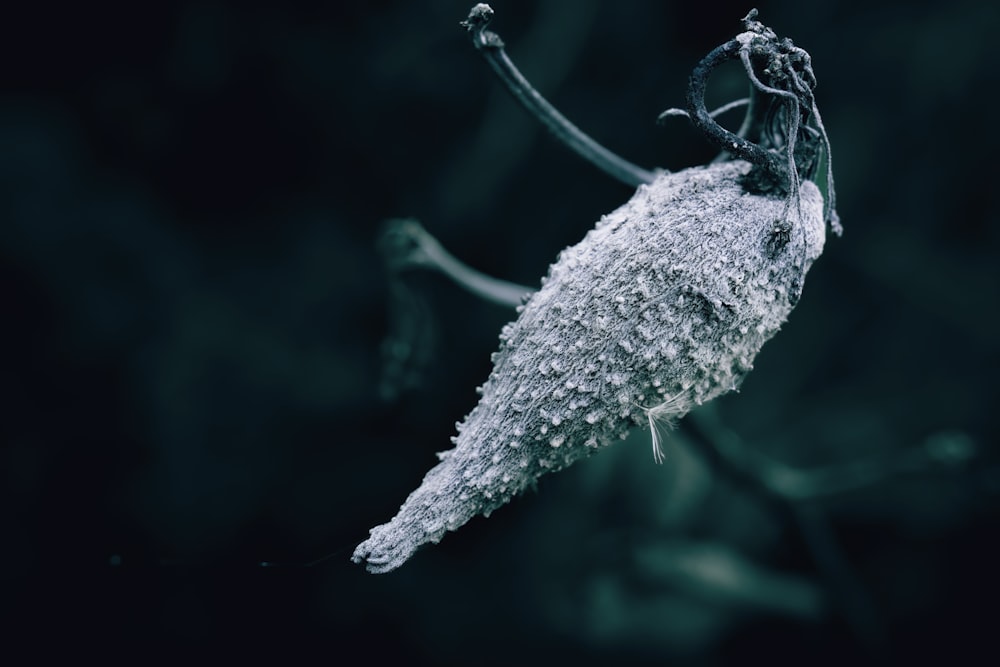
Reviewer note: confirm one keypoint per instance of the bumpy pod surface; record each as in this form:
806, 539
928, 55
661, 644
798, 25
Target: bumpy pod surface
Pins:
661, 307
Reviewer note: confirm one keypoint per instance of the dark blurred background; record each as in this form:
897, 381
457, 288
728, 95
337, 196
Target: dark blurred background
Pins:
194, 307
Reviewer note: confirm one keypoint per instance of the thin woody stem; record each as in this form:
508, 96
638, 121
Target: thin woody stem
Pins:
491, 47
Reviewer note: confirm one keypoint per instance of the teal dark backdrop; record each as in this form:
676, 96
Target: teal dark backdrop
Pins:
193, 306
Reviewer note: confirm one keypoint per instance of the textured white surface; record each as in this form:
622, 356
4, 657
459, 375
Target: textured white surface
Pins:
662, 306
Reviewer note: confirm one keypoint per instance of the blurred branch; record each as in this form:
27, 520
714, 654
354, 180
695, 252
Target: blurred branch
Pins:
793, 492
405, 244
717, 572
408, 346
774, 479
790, 491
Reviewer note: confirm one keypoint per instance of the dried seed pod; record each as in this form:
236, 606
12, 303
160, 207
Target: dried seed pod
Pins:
662, 306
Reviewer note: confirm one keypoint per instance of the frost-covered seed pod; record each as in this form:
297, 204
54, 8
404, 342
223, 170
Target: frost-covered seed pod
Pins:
662, 306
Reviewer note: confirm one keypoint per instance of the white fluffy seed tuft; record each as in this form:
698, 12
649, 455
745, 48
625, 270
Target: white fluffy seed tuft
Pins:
662, 418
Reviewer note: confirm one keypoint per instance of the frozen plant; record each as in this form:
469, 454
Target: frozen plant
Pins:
661, 307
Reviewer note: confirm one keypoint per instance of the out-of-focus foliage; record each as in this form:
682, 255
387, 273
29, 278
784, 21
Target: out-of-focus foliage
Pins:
194, 306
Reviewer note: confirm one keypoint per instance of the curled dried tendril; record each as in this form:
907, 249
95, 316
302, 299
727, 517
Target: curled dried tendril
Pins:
781, 113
